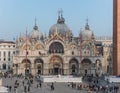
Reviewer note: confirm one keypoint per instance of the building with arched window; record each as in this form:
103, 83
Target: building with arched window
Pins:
59, 52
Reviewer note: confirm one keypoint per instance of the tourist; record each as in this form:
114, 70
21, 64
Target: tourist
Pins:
68, 84
72, 85
25, 88
37, 85
10, 87
40, 84
23, 83
52, 86
28, 88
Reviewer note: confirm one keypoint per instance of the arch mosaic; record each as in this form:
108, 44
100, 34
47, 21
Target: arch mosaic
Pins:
38, 65
56, 47
56, 65
86, 67
73, 66
27, 66
39, 46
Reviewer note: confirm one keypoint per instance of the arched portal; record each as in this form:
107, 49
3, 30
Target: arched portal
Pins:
86, 67
27, 65
56, 47
98, 67
56, 65
73, 66
38, 65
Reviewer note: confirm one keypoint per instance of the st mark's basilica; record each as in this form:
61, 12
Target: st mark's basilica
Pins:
59, 52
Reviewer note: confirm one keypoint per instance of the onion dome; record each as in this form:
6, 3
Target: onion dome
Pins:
60, 27
87, 34
35, 34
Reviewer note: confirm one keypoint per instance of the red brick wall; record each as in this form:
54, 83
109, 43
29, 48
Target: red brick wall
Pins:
116, 37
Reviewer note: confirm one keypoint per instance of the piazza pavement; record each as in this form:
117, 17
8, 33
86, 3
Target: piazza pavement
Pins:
46, 87
59, 87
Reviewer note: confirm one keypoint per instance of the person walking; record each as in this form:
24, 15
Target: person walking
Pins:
10, 87
40, 84
23, 83
25, 89
52, 86
28, 88
37, 85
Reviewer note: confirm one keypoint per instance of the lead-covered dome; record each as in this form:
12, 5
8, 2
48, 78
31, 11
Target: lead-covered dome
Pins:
35, 34
60, 27
87, 34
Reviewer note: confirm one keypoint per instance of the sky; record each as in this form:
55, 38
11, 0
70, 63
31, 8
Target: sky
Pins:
16, 15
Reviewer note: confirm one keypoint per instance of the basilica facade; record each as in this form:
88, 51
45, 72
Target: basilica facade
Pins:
59, 52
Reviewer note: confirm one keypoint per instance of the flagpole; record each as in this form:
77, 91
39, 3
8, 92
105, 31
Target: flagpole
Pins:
26, 51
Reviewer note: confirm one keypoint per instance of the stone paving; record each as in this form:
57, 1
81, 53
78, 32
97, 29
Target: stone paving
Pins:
102, 82
59, 87
46, 87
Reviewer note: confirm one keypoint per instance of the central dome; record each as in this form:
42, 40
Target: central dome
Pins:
60, 27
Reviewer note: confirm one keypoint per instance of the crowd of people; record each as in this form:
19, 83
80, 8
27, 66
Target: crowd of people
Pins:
90, 83
26, 82
98, 84
95, 85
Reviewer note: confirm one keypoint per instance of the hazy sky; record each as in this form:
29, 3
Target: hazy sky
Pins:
16, 15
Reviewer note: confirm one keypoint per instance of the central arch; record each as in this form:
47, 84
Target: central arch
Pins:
56, 47
38, 65
56, 65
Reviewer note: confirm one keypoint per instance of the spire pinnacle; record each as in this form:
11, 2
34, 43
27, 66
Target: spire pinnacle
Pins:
61, 11
60, 20
35, 21
58, 14
26, 31
35, 27
87, 25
